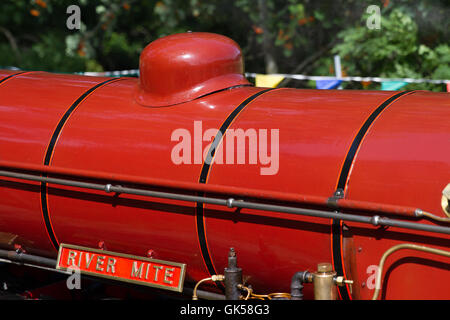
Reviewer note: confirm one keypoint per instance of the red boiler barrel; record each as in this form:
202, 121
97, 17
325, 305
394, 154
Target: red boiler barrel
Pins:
377, 147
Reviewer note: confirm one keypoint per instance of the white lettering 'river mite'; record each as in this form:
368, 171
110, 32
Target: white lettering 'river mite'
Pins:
85, 259
152, 272
143, 270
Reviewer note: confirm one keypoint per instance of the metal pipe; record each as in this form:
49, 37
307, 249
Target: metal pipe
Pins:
363, 206
432, 216
396, 248
215, 277
25, 258
298, 279
206, 295
232, 203
233, 277
375, 220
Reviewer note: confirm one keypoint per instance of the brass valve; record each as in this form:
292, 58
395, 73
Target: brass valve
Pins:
323, 281
341, 281
326, 281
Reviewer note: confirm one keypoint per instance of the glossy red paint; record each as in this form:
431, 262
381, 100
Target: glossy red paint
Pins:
401, 164
31, 106
185, 66
401, 161
6, 73
315, 136
136, 141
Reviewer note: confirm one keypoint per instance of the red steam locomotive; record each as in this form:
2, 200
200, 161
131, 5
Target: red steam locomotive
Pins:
151, 181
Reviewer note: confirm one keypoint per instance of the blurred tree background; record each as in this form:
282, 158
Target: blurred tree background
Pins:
276, 36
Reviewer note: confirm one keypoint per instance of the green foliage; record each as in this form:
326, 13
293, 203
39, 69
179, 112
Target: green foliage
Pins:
393, 51
379, 48
413, 40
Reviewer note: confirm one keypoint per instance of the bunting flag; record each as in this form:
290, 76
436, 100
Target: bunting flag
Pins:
392, 85
272, 80
358, 79
267, 80
328, 84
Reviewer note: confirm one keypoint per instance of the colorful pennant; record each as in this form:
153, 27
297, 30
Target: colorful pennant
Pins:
392, 85
328, 84
267, 80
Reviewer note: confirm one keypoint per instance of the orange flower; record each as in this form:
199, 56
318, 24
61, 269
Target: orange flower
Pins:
258, 30
386, 3
126, 6
288, 45
41, 3
34, 12
302, 21
81, 49
280, 34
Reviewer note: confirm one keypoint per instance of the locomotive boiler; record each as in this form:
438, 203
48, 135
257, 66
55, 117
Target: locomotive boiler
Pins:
191, 178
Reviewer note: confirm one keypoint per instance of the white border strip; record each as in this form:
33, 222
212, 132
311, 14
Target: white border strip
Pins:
291, 76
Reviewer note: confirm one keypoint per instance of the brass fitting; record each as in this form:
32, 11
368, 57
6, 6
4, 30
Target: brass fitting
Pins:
214, 277
446, 200
341, 281
324, 283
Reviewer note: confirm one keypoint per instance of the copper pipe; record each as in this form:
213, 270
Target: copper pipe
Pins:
216, 277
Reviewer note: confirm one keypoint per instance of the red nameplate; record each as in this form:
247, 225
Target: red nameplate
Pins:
123, 267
